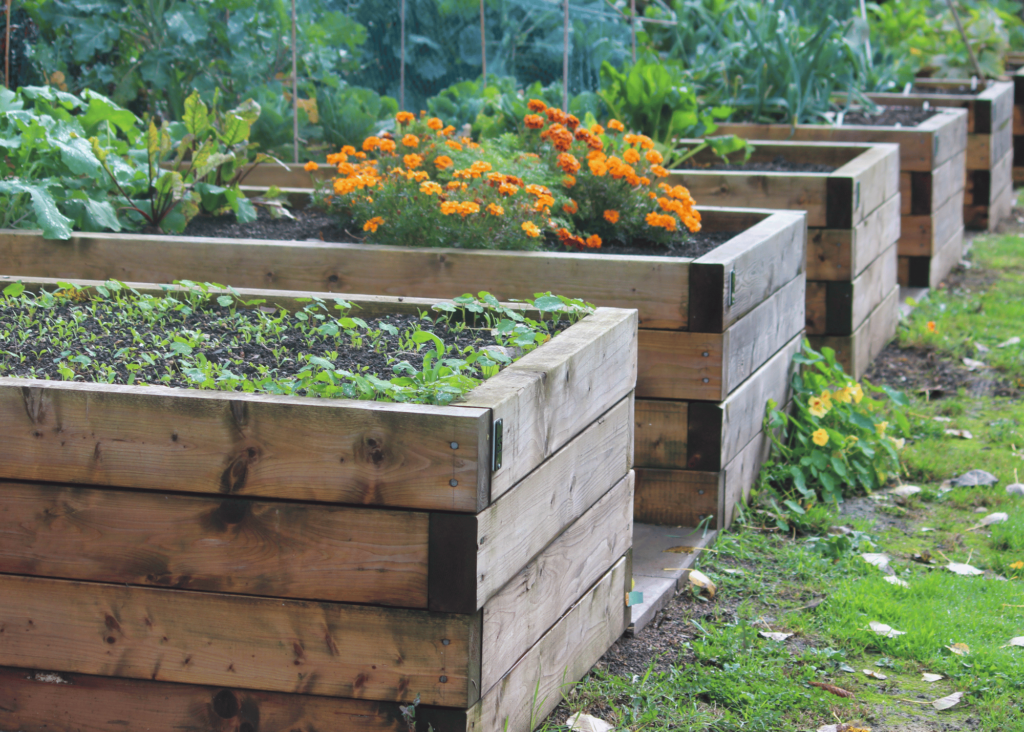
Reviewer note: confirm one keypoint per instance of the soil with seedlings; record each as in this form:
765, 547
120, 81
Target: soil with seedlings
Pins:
889, 117
779, 165
311, 225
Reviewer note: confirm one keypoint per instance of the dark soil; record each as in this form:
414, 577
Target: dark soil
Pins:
696, 245
779, 165
890, 117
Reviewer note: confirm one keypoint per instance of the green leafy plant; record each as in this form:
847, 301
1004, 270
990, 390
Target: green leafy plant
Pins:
837, 441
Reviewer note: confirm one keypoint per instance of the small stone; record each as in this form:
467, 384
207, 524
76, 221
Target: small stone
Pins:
974, 478
1015, 489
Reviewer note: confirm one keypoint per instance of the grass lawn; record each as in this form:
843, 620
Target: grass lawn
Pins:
704, 665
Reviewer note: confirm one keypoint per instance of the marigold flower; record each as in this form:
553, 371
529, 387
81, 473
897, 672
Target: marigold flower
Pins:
817, 407
631, 156
495, 210
410, 141
404, 118
508, 189
348, 150
598, 167
572, 122
1017, 565
443, 161
448, 131
554, 114
361, 155
387, 146
453, 145
571, 207
664, 221
346, 169
615, 126
453, 185
820, 437
654, 157
536, 105
373, 224
659, 171
582, 134
646, 143
430, 188
931, 326
611, 216
371, 143
568, 163
531, 229
412, 161
435, 124
310, 167
336, 158
596, 129
595, 144
449, 207
594, 242
569, 181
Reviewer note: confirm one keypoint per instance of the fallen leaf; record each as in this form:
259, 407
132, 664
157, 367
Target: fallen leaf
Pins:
586, 723
878, 560
733, 571
874, 674
777, 637
833, 689
680, 550
926, 529
962, 434
1015, 489
847, 668
980, 509
886, 630
896, 581
931, 678
1018, 641
974, 477
973, 365
842, 728
982, 348
960, 649
963, 569
905, 490
948, 701
1009, 342
942, 419
702, 581
992, 518
925, 557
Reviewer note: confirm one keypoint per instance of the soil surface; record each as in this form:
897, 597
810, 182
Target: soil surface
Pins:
890, 117
963, 89
779, 165
697, 245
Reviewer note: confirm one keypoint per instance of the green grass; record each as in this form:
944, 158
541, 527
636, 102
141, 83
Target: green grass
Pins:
725, 677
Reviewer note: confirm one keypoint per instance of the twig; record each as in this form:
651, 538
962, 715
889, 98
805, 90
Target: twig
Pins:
963, 35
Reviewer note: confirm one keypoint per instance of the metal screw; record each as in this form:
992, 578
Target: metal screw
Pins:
705, 354
455, 446
445, 641
444, 679
453, 482
706, 379
700, 493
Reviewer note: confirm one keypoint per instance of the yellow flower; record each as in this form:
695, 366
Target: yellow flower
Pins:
1017, 565
430, 188
915, 51
843, 395
531, 229
826, 397
898, 443
373, 224
817, 407
820, 438
857, 393
881, 427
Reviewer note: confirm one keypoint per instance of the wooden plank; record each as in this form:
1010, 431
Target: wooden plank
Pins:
740, 476
838, 308
552, 394
945, 181
253, 445
233, 545
534, 687
31, 701
676, 497
875, 179
816, 307
949, 256
919, 235
856, 352
872, 287
984, 151
661, 433
906, 190
841, 255
738, 276
991, 191
691, 366
267, 644
545, 589
516, 528
778, 190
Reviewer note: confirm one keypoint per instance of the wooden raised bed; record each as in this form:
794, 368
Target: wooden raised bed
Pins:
988, 189
211, 560
932, 158
853, 219
1018, 125
707, 326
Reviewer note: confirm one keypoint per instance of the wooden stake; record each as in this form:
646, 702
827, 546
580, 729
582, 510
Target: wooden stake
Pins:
483, 47
632, 25
295, 90
7, 48
401, 69
963, 35
565, 60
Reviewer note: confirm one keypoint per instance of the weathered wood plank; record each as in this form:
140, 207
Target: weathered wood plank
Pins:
232, 545
550, 395
738, 276
791, 191
676, 365
875, 176
676, 497
856, 352
534, 687
930, 271
152, 438
541, 592
661, 427
838, 308
842, 254
872, 287
816, 307
740, 475
944, 182
988, 195
31, 701
267, 644
920, 235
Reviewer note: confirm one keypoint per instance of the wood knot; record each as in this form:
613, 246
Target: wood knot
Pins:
225, 704
373, 449
232, 480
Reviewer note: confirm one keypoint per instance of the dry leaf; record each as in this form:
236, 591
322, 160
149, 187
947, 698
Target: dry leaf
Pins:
962, 434
586, 723
842, 728
931, 678
982, 348
905, 490
994, 518
886, 630
974, 477
777, 637
701, 580
960, 649
1018, 641
948, 701
942, 419
925, 557
926, 529
963, 569
833, 689
874, 674
1009, 342
733, 571
973, 365
680, 550
896, 581
1015, 489
878, 560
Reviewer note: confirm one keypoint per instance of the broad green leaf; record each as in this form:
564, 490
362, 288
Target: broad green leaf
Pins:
235, 130
196, 117
102, 215
246, 212
249, 111
14, 289
54, 224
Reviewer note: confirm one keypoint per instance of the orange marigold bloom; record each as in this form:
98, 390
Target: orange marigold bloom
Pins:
361, 155
338, 158
631, 156
663, 221
495, 210
594, 242
596, 129
582, 134
404, 118
568, 163
346, 168
615, 126
387, 146
569, 181
410, 141
453, 185
531, 229
443, 161
611, 216
453, 145
556, 115
654, 157
659, 171
371, 143
533, 121
373, 224
536, 105
450, 207
572, 122
598, 167
931, 326
348, 150
646, 143
571, 207
447, 131
435, 124
310, 167
430, 188
412, 161
508, 189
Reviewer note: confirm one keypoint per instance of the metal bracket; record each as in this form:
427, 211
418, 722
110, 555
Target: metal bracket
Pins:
856, 195
732, 287
497, 432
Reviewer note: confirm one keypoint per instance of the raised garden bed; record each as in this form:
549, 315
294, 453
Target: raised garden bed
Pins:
1018, 125
707, 325
853, 219
214, 560
932, 158
988, 190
